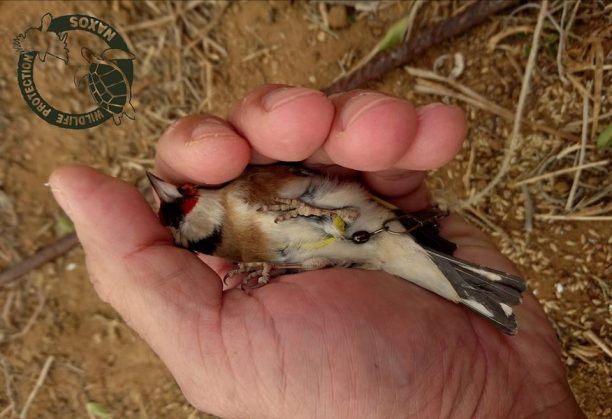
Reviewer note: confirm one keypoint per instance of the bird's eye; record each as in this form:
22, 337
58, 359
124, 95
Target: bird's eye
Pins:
188, 190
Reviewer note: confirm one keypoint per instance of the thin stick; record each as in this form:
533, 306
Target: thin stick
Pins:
478, 101
41, 257
8, 383
179, 64
6, 410
42, 299
41, 380
528, 209
413, 47
585, 129
202, 33
590, 335
562, 171
561, 48
260, 52
161, 20
597, 87
605, 191
468, 171
149, 23
514, 140
574, 217
494, 40
503, 112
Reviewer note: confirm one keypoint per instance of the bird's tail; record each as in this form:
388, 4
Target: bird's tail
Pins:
486, 291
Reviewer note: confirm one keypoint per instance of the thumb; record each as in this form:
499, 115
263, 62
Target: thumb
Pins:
156, 287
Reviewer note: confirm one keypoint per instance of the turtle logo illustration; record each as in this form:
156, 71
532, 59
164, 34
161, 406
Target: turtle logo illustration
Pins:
108, 85
42, 41
108, 73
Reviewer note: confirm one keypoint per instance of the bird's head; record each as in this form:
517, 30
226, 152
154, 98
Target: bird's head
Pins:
190, 212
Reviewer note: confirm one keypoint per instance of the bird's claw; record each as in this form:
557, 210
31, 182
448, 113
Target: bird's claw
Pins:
259, 271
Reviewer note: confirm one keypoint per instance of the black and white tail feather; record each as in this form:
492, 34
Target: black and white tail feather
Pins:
488, 292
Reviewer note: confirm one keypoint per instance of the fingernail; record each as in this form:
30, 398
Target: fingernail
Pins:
208, 129
422, 110
61, 199
283, 95
359, 104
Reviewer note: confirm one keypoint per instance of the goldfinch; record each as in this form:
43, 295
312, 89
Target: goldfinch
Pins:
281, 219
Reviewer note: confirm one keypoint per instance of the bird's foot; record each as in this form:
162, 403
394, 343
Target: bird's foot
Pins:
292, 208
258, 274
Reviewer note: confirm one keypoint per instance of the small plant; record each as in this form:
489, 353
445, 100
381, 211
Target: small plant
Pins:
97, 410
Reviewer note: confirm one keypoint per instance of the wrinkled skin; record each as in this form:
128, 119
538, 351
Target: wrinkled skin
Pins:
330, 343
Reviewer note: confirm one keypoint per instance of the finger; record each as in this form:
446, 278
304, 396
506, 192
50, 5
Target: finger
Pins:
201, 149
371, 131
416, 200
394, 183
152, 284
440, 133
282, 122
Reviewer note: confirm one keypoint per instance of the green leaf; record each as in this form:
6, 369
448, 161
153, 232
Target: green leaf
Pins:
63, 226
97, 410
604, 140
394, 36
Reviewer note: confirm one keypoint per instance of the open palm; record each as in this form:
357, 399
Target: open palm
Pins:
330, 343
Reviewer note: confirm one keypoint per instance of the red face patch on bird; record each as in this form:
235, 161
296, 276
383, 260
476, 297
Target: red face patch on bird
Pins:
190, 197
175, 202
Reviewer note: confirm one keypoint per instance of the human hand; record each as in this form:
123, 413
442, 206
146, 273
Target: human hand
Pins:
329, 343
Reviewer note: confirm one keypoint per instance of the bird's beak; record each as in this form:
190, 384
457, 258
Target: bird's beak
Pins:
166, 192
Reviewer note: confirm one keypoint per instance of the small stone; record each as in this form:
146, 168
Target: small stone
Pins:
321, 36
337, 17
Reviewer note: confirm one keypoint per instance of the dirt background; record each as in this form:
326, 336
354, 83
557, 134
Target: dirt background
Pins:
203, 56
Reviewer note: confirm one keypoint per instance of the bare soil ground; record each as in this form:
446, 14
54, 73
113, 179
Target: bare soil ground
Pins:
203, 56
